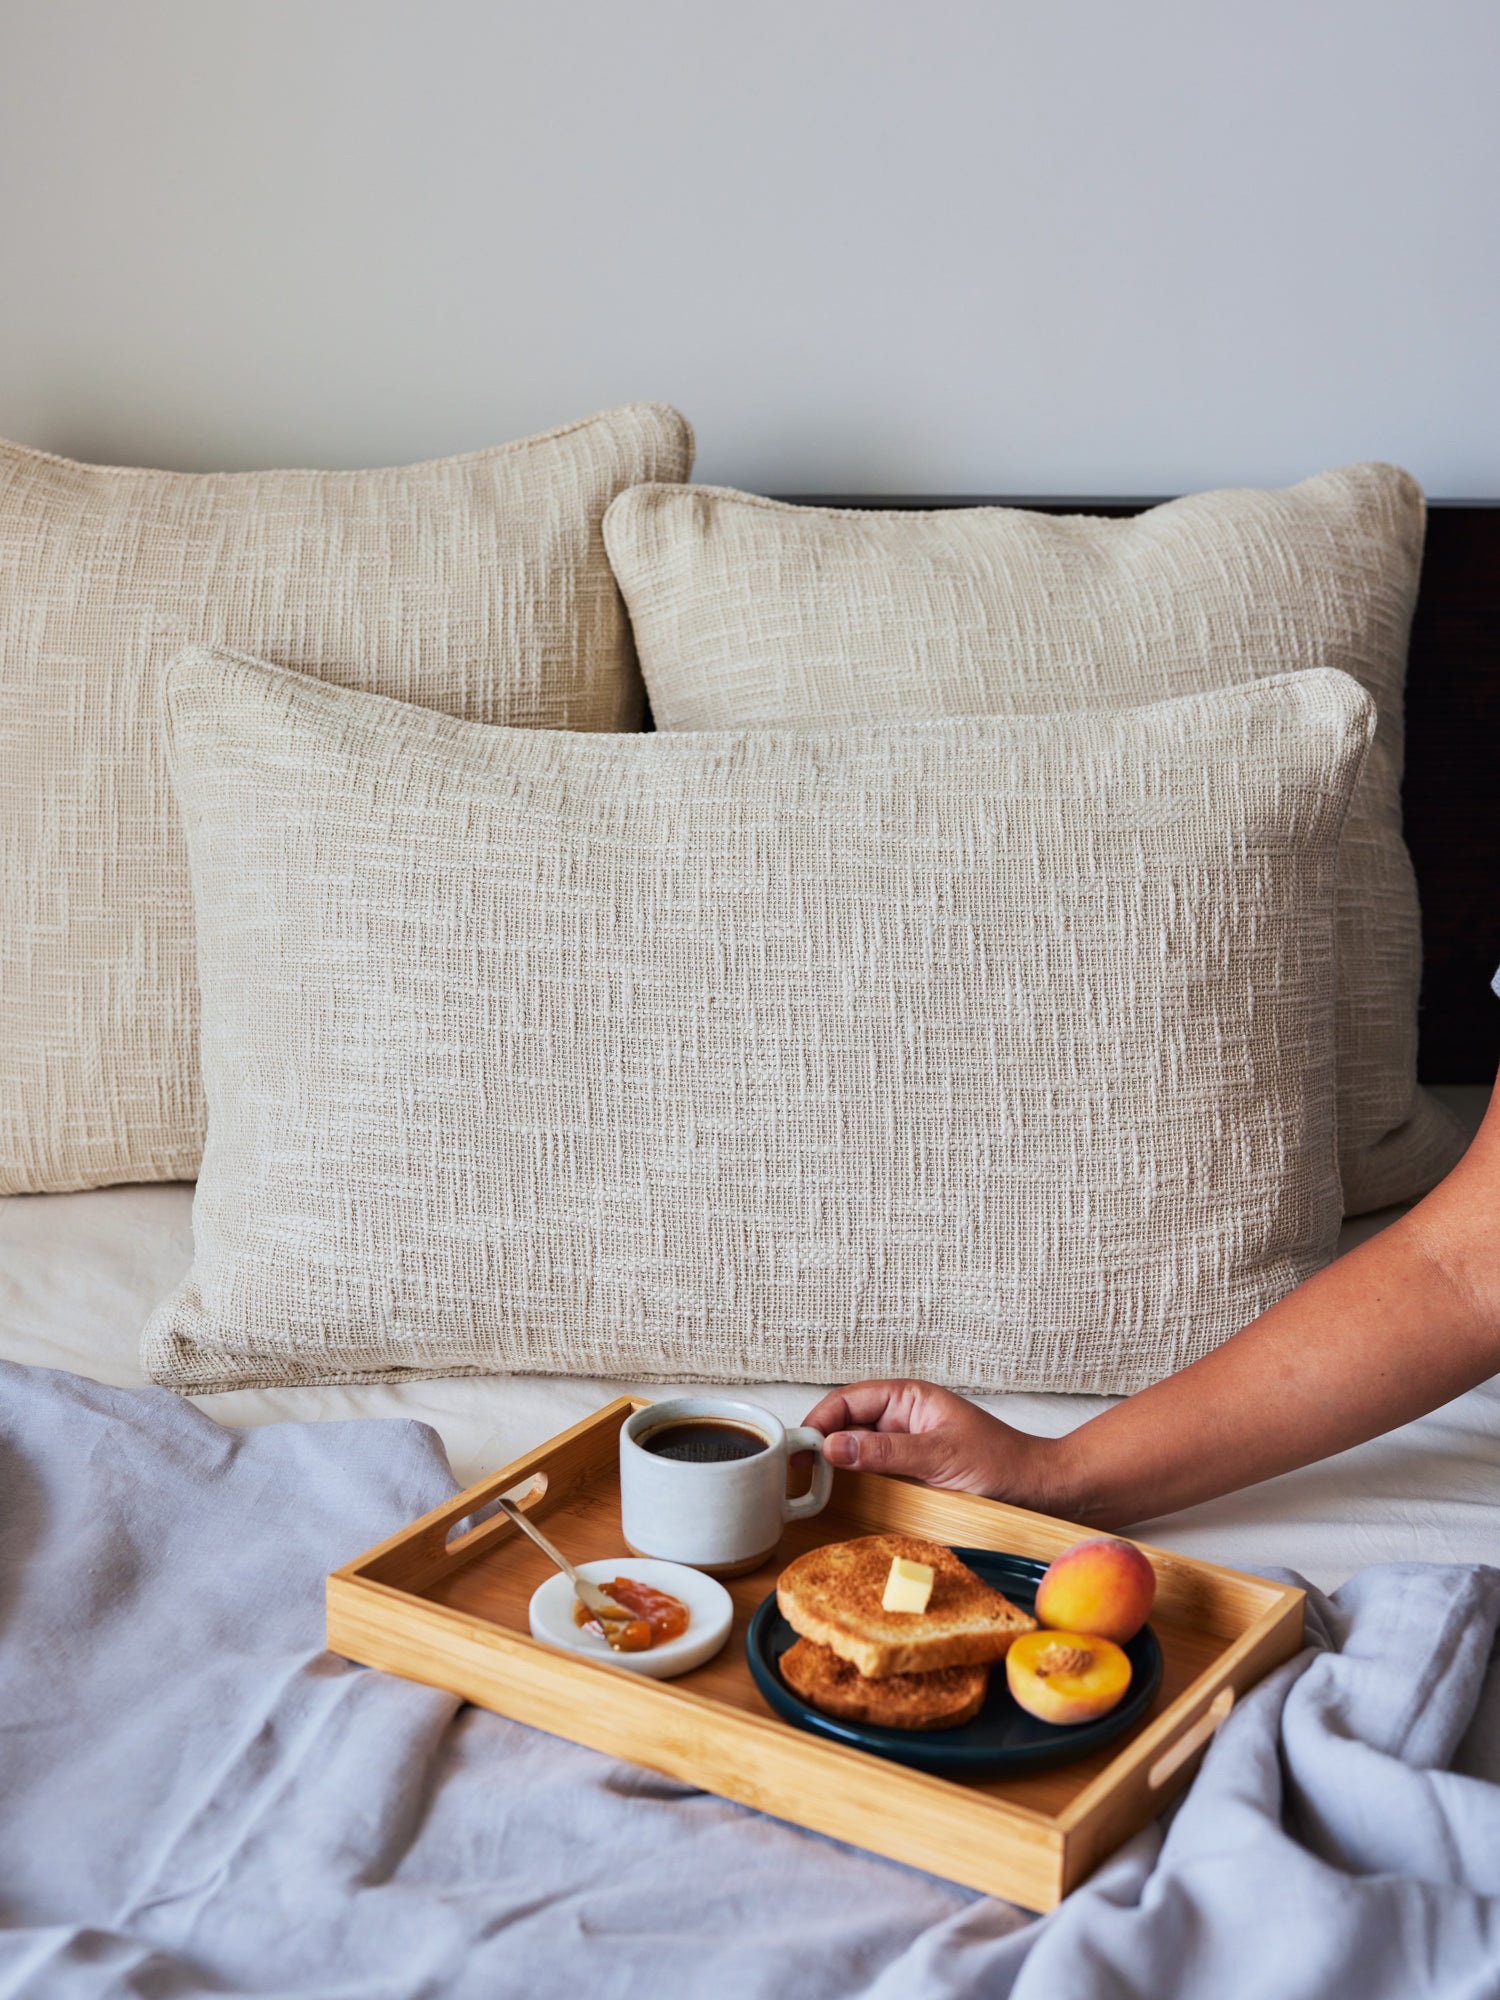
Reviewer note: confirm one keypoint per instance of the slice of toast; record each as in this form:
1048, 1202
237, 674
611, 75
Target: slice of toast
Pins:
940, 1700
832, 1596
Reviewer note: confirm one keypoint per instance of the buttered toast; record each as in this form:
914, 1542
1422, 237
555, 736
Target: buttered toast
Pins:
832, 1596
939, 1700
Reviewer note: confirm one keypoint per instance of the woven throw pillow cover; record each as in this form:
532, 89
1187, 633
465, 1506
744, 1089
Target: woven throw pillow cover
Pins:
996, 1051
474, 585
751, 612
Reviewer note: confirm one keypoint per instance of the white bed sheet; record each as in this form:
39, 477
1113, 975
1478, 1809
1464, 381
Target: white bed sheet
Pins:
80, 1272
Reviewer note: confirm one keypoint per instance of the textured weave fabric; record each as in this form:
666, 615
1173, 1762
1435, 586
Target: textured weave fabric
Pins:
474, 585
748, 612
994, 1051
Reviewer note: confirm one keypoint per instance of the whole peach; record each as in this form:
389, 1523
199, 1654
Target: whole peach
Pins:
1103, 1586
1065, 1677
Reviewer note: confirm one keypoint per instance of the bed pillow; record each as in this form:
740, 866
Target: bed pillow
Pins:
749, 612
475, 585
995, 1051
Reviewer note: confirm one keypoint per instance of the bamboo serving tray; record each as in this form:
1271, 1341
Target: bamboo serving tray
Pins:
445, 1602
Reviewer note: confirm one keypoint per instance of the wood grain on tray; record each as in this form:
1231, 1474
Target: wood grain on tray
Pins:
453, 1614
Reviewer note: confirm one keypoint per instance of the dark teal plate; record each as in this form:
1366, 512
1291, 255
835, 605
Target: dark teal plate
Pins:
1002, 1740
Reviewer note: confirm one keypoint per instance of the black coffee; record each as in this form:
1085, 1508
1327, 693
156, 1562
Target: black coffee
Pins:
704, 1441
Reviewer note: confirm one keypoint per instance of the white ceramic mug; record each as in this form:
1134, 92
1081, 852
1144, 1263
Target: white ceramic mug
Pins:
723, 1515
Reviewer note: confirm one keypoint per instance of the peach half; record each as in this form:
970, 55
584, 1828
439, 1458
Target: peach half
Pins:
1103, 1586
1066, 1676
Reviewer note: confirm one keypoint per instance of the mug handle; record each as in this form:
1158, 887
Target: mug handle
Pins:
816, 1498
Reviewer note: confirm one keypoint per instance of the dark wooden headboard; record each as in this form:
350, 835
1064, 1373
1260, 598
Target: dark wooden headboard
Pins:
1452, 791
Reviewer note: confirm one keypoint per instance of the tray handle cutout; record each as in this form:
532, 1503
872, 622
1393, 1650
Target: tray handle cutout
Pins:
469, 1525
1192, 1740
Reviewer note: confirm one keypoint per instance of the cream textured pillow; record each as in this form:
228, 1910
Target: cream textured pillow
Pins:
996, 1051
748, 612
474, 585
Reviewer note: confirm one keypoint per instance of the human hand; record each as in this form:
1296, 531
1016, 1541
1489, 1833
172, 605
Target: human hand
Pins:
919, 1431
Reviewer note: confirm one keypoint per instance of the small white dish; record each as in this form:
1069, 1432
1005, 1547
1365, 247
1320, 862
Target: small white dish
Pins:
710, 1615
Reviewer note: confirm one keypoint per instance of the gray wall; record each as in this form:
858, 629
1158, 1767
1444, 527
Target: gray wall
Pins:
939, 245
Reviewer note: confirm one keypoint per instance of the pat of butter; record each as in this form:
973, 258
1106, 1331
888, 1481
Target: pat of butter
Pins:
908, 1586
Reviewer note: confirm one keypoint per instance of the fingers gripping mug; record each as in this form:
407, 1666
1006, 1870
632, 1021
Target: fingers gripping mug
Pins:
703, 1482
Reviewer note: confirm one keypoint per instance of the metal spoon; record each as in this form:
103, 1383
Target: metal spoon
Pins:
612, 1617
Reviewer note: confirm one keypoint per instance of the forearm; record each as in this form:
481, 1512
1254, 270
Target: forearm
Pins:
1400, 1325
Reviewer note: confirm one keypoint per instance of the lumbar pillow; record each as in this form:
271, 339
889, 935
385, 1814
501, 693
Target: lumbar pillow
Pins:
474, 585
749, 612
998, 1051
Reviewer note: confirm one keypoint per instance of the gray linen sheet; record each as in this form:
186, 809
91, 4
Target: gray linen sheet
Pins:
196, 1798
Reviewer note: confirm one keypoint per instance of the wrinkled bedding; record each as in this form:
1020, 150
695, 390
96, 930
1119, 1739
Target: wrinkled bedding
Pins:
199, 1799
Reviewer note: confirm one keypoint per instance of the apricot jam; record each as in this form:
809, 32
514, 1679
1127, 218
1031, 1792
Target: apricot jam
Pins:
654, 1616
